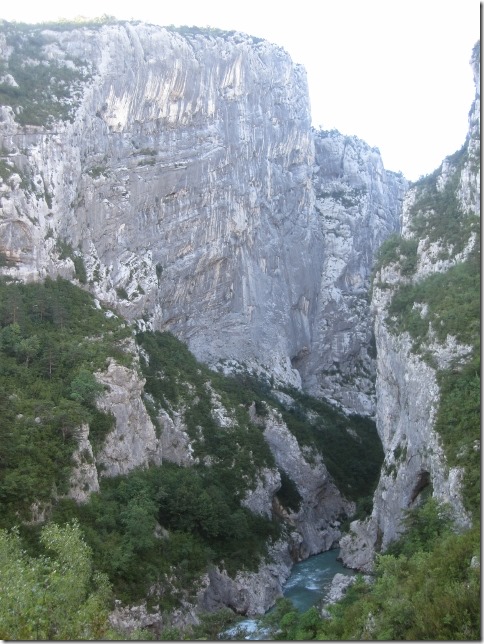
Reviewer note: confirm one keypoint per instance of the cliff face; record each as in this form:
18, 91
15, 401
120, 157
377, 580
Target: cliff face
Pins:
358, 204
182, 182
439, 233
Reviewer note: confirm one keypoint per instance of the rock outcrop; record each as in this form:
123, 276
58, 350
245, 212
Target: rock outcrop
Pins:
316, 522
133, 441
247, 593
358, 204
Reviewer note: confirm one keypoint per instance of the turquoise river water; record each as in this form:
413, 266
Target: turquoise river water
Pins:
308, 583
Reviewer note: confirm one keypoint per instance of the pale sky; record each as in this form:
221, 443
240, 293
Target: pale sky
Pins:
395, 73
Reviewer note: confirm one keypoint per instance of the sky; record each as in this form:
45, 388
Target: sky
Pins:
395, 73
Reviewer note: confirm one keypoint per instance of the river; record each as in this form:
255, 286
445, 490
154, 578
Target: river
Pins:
307, 584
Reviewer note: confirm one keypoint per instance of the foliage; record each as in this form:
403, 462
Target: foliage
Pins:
165, 525
55, 596
459, 425
7, 169
211, 624
399, 250
347, 197
451, 305
175, 379
436, 214
122, 293
85, 388
161, 526
66, 251
423, 527
52, 340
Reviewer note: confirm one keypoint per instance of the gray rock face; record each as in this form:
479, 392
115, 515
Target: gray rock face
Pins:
316, 522
133, 441
84, 477
260, 500
126, 619
358, 204
247, 593
193, 189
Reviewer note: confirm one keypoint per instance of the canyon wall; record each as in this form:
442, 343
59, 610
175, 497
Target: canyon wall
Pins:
183, 184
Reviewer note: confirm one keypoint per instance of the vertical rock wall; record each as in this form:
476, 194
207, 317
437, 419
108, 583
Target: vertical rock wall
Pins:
189, 186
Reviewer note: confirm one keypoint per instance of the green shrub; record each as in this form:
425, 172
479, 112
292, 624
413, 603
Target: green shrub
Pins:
55, 596
399, 250
452, 300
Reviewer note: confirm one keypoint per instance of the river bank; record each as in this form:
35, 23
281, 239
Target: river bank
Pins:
308, 584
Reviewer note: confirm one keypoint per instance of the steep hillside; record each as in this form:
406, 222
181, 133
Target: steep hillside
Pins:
192, 488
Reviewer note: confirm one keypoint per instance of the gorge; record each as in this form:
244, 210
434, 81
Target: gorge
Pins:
220, 326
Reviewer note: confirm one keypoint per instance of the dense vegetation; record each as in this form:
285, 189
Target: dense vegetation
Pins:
56, 595
52, 339
350, 445
398, 250
165, 525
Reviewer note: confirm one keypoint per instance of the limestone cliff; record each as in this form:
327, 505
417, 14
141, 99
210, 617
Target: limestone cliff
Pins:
358, 204
177, 177
440, 231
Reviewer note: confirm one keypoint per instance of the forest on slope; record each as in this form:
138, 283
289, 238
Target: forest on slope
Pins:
53, 339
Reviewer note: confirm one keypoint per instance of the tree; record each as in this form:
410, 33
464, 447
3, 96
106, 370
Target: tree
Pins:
28, 348
10, 338
52, 597
85, 388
